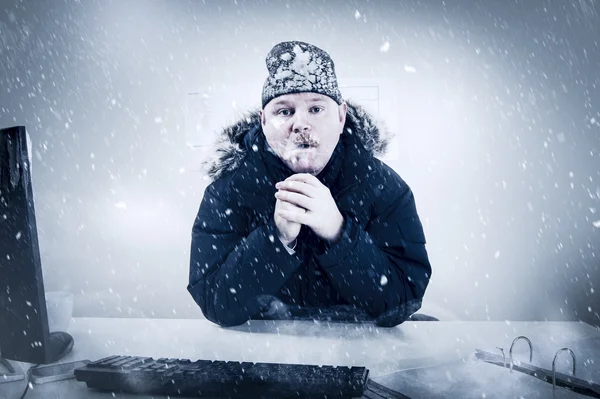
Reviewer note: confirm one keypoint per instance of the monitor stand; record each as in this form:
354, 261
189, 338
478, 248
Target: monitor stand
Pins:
10, 374
61, 344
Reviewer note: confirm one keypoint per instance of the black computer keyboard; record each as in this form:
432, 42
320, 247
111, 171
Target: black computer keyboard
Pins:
205, 378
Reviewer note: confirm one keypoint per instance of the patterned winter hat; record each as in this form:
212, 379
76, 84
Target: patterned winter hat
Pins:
298, 67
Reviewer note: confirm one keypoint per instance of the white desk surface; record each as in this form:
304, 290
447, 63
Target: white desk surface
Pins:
382, 350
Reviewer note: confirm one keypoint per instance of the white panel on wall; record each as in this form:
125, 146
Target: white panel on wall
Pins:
378, 97
362, 92
214, 107
198, 119
210, 109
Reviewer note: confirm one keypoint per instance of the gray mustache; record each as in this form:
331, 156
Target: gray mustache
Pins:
305, 138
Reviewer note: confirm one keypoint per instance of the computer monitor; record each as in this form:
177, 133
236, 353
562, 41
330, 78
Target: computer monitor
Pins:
24, 331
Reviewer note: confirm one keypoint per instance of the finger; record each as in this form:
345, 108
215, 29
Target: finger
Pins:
294, 216
287, 206
306, 178
300, 200
298, 187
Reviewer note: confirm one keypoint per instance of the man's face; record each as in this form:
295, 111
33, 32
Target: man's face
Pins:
303, 129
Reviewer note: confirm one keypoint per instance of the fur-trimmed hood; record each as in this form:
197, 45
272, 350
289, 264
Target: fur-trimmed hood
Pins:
230, 150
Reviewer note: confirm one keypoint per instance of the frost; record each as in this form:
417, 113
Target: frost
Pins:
596, 224
356, 14
385, 47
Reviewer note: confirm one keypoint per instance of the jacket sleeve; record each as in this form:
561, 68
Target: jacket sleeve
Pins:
383, 268
231, 268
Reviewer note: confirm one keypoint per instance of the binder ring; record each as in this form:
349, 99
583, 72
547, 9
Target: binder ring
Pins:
554, 365
511, 349
503, 356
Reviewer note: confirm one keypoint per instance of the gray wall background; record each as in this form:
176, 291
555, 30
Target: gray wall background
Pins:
496, 108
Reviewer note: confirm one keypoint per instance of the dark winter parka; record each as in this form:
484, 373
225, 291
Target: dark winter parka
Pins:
240, 270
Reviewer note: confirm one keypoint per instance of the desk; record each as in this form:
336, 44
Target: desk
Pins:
382, 350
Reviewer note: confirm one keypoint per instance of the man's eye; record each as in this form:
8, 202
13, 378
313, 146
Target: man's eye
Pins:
284, 112
316, 110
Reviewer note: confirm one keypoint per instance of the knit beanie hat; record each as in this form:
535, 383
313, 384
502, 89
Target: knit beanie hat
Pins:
298, 67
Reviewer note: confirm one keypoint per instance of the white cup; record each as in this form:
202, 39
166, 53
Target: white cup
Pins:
59, 305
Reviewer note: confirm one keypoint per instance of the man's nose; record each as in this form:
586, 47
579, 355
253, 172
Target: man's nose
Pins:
301, 122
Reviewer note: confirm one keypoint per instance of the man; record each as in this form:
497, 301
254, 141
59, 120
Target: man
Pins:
300, 219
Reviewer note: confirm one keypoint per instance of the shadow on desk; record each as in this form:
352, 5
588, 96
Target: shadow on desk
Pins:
352, 321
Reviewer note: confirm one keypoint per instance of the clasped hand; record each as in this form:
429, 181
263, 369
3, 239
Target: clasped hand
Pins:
303, 199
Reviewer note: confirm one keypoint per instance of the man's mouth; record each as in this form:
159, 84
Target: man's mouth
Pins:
305, 141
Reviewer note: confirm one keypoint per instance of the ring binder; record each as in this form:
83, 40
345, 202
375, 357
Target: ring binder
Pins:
570, 382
